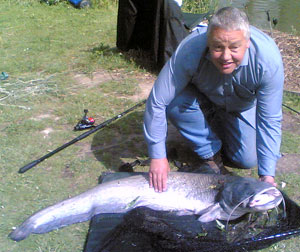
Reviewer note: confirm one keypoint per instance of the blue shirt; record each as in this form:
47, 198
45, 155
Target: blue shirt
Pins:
257, 81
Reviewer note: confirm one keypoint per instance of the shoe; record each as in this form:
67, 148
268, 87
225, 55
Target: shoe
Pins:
213, 164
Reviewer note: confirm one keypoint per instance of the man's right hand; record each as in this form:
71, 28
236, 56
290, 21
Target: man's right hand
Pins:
158, 174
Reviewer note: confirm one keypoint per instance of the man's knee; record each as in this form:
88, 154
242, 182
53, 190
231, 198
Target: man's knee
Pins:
172, 111
244, 160
248, 164
183, 107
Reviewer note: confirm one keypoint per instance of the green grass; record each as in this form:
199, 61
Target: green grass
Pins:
291, 102
42, 49
291, 143
32, 41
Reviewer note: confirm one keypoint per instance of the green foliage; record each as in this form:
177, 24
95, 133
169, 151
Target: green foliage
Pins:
199, 6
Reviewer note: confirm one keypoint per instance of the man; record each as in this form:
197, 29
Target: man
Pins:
236, 71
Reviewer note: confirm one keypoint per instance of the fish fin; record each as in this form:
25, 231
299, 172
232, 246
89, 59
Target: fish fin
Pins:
211, 213
184, 212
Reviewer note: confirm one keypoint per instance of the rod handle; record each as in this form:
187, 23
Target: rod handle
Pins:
28, 166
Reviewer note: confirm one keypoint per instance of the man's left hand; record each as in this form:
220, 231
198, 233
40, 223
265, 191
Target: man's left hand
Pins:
268, 179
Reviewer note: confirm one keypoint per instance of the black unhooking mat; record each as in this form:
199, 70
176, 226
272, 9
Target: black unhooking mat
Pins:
145, 230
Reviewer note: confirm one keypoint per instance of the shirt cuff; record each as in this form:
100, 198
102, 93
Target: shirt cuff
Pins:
266, 167
157, 150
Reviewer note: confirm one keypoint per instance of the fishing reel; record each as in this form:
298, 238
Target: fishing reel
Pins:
85, 122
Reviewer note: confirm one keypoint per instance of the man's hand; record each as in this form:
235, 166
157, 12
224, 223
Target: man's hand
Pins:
158, 174
268, 179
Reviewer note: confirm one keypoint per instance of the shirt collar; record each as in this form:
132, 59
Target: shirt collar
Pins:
245, 59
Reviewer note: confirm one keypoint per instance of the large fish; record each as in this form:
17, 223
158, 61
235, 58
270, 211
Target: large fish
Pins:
208, 195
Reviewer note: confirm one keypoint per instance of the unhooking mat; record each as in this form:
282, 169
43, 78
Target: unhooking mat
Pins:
145, 230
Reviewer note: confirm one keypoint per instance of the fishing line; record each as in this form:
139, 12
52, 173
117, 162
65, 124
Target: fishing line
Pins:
284, 208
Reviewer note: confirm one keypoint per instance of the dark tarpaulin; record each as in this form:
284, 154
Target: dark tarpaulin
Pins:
152, 25
145, 230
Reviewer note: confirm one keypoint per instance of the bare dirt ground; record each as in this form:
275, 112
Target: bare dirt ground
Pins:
289, 46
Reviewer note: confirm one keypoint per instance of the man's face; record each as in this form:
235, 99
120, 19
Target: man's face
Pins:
227, 49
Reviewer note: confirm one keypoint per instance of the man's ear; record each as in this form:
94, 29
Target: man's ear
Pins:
248, 43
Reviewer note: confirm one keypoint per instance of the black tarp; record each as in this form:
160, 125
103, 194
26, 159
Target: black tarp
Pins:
151, 25
145, 230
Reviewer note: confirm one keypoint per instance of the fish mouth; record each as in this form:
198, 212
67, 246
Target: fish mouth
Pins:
266, 199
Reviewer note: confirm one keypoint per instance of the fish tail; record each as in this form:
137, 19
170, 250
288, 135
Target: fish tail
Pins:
21, 233
77, 209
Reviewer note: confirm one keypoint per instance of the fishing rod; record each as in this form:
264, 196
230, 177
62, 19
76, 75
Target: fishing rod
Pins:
276, 236
291, 93
84, 135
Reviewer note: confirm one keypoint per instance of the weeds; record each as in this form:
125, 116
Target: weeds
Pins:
199, 6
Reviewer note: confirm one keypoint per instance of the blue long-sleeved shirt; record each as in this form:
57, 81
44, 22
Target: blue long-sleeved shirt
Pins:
257, 81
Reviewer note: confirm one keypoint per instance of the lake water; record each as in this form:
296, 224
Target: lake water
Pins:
287, 12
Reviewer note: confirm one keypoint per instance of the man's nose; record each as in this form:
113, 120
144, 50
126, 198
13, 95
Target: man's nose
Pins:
226, 54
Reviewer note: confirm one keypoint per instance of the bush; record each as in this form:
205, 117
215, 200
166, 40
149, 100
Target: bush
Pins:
199, 6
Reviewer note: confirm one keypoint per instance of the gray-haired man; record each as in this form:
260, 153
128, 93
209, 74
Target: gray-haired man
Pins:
238, 71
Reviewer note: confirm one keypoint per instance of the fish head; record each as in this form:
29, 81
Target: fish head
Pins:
266, 199
244, 195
